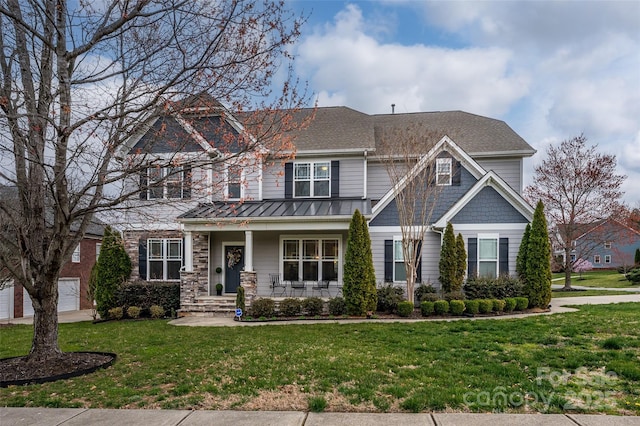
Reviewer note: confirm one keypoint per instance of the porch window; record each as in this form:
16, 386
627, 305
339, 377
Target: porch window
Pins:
487, 256
312, 179
310, 259
165, 259
443, 171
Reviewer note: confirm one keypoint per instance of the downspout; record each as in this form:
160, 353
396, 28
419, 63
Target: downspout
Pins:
364, 186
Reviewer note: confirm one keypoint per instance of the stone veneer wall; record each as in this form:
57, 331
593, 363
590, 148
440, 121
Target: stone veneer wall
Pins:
195, 283
249, 281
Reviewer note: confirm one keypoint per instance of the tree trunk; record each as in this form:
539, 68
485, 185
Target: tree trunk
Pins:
567, 270
44, 345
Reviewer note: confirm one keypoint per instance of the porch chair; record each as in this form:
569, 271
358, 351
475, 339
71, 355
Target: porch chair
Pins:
321, 286
298, 286
277, 284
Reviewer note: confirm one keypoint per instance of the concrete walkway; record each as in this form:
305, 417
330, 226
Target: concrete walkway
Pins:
80, 416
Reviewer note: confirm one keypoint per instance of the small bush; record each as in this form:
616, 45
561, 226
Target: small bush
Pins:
454, 295
133, 312
240, 300
633, 276
441, 307
522, 303
485, 306
430, 297
263, 307
510, 304
498, 305
405, 309
116, 313
472, 306
456, 307
422, 290
389, 297
313, 306
156, 311
337, 306
290, 307
426, 308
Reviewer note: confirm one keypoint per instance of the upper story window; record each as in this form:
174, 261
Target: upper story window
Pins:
443, 171
607, 245
75, 257
234, 183
171, 182
312, 179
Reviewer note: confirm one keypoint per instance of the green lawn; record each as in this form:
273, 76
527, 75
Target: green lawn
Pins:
585, 361
556, 293
608, 279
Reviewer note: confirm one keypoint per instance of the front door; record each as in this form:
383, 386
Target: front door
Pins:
234, 263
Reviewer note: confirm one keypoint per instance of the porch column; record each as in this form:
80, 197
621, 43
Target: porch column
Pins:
248, 248
188, 251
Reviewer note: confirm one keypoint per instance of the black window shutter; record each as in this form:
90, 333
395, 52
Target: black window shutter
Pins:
419, 264
288, 180
142, 258
503, 254
388, 261
431, 174
143, 184
186, 182
335, 179
472, 256
457, 173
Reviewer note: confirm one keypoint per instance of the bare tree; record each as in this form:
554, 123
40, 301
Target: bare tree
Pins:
405, 153
77, 81
580, 189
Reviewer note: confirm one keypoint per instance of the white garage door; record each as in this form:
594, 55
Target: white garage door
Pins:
6, 303
68, 299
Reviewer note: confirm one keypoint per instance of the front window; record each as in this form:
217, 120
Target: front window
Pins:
443, 171
488, 256
399, 270
165, 259
165, 183
607, 258
312, 179
310, 259
234, 183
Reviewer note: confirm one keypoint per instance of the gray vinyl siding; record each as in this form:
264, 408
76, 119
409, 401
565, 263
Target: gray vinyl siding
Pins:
273, 181
488, 206
378, 182
509, 169
352, 177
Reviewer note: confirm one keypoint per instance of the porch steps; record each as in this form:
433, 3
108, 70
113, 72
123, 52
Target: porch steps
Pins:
209, 306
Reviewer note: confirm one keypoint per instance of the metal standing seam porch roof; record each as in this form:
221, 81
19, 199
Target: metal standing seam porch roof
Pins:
278, 209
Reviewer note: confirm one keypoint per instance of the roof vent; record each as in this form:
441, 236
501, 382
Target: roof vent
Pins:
393, 108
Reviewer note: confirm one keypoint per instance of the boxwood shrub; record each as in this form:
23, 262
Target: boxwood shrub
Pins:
389, 297
263, 307
426, 308
510, 304
441, 307
522, 303
493, 288
133, 312
498, 305
472, 306
290, 307
422, 290
405, 308
337, 306
312, 306
485, 306
144, 294
456, 307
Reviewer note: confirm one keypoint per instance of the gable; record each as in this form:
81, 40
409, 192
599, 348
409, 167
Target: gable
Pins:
488, 206
166, 135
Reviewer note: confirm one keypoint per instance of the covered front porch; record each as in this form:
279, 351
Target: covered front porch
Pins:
290, 255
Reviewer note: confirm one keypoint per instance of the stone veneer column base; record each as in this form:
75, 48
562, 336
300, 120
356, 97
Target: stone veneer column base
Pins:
191, 287
249, 281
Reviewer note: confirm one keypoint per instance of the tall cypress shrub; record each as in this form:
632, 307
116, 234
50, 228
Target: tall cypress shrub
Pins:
113, 268
461, 262
538, 262
521, 260
636, 257
359, 283
448, 261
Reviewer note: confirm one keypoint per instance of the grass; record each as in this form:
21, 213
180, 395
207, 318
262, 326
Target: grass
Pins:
556, 293
585, 361
606, 279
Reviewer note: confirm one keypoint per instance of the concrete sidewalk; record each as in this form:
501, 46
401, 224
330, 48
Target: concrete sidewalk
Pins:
81, 416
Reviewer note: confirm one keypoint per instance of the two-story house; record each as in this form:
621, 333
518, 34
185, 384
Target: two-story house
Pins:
287, 220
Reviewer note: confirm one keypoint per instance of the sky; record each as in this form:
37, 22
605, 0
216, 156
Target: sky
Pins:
552, 70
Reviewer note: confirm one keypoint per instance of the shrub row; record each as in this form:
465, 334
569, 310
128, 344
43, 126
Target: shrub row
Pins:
493, 288
292, 307
473, 307
144, 294
134, 312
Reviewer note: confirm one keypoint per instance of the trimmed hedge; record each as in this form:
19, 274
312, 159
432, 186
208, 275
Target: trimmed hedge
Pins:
313, 306
441, 307
263, 307
510, 304
456, 307
427, 308
156, 311
490, 288
485, 306
144, 294
133, 312
498, 305
405, 308
522, 303
337, 306
472, 306
290, 307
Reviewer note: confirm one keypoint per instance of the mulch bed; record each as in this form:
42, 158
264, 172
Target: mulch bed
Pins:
21, 371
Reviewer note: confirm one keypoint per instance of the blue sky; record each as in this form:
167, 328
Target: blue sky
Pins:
550, 69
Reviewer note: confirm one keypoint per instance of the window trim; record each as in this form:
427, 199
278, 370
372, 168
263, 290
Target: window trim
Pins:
607, 258
596, 259
319, 258
441, 162
607, 245
75, 256
164, 258
164, 182
312, 178
240, 182
496, 238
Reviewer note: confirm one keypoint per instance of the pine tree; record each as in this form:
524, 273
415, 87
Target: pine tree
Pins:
538, 262
113, 269
521, 260
448, 260
359, 285
461, 262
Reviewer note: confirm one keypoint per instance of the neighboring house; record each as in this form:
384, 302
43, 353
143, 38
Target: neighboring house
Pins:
288, 220
72, 284
608, 244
